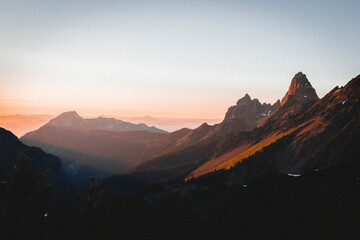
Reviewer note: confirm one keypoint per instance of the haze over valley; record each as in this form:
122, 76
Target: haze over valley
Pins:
179, 119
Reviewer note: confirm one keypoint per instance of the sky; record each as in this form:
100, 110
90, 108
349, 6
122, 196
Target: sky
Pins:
181, 59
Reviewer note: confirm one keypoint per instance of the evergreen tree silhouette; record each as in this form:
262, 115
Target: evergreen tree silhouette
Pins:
24, 201
90, 212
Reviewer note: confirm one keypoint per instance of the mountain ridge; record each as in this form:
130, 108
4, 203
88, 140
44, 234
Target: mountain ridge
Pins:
293, 121
248, 128
74, 121
300, 140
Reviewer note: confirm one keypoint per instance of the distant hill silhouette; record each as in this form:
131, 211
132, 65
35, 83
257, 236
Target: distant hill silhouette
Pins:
72, 121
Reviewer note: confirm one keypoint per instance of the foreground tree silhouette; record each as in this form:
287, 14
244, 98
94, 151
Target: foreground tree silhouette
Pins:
25, 202
90, 213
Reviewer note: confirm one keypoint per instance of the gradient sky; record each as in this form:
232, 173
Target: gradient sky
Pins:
169, 58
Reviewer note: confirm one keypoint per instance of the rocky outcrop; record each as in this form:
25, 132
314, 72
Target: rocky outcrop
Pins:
298, 138
203, 141
300, 90
250, 111
300, 96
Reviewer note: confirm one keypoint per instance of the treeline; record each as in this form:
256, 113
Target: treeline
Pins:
318, 205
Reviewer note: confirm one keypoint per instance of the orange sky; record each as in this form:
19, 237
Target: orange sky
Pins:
207, 105
175, 59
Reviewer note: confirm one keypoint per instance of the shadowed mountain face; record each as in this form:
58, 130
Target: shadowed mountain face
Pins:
318, 134
300, 89
250, 111
302, 133
291, 136
299, 96
204, 140
104, 147
99, 147
10, 149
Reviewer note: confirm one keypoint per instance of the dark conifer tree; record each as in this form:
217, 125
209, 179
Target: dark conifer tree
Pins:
25, 202
91, 220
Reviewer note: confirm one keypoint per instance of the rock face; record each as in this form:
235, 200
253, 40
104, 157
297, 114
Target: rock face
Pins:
301, 95
96, 147
301, 133
10, 149
201, 142
249, 111
300, 90
297, 138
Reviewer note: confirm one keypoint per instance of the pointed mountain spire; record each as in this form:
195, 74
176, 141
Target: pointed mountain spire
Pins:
300, 88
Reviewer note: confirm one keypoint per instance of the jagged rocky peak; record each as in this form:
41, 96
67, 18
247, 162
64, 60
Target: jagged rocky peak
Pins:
299, 81
249, 111
277, 104
244, 100
301, 89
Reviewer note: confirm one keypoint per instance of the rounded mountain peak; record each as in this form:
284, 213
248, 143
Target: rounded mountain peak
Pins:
65, 119
70, 114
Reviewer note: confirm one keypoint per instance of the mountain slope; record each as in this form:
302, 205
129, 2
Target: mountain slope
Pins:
107, 146
98, 152
299, 132
10, 149
199, 144
94, 147
322, 134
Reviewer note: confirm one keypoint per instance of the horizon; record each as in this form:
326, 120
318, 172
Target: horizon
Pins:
15, 122
191, 119
166, 59
20, 124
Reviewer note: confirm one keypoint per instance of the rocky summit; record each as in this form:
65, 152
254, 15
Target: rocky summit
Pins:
300, 90
250, 110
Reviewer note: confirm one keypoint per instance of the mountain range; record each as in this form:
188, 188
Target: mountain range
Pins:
290, 136
298, 134
285, 170
106, 146
304, 134
98, 146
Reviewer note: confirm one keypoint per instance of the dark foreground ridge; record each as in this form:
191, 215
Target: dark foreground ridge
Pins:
322, 204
